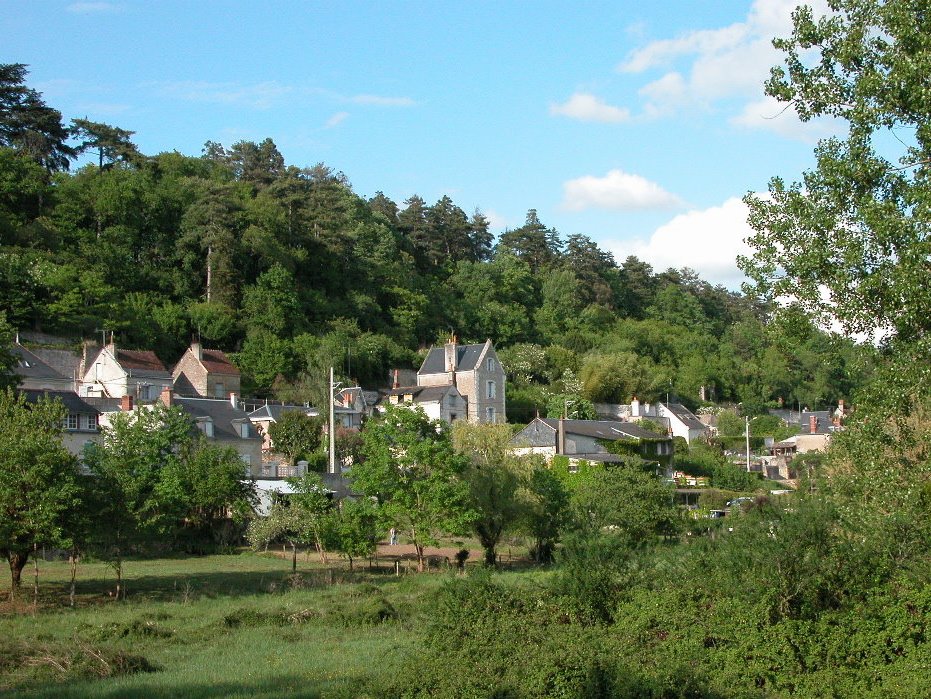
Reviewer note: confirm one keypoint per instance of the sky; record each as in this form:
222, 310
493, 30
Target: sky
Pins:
638, 124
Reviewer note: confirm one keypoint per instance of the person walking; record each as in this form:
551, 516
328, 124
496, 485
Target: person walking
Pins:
393, 534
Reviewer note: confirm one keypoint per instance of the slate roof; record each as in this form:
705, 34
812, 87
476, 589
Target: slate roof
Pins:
65, 362
30, 366
421, 394
221, 412
686, 416
825, 422
273, 411
467, 357
71, 400
602, 429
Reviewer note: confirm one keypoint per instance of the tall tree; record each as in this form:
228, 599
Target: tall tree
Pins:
856, 227
110, 142
533, 242
410, 467
38, 479
28, 124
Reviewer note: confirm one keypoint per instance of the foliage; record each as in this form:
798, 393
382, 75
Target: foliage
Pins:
410, 467
494, 476
38, 478
545, 512
572, 406
296, 435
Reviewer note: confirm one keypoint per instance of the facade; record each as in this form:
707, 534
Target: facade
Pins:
205, 373
475, 372
583, 440
115, 372
223, 423
81, 427
438, 402
352, 405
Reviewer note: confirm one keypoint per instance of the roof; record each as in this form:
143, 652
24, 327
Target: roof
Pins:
686, 416
825, 422
216, 362
603, 429
71, 400
273, 411
30, 366
220, 411
422, 394
467, 357
142, 360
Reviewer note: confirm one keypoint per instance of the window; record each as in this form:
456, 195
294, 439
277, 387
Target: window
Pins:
490, 390
91, 422
218, 391
490, 415
244, 430
71, 422
453, 417
490, 364
206, 426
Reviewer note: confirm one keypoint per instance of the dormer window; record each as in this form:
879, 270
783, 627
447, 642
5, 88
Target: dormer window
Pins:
206, 426
71, 422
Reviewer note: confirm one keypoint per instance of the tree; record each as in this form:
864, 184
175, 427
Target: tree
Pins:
545, 511
295, 434
494, 478
111, 142
355, 529
533, 242
856, 227
410, 467
28, 124
300, 519
38, 479
140, 482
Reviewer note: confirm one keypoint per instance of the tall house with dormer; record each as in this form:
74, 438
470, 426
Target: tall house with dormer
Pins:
475, 372
205, 373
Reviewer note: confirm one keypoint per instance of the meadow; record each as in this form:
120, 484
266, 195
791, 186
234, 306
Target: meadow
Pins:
213, 626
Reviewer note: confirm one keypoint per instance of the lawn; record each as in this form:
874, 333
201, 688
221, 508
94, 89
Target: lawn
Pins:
212, 626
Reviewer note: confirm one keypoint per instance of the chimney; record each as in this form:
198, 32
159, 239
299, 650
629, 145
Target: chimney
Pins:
197, 349
634, 407
126, 403
813, 424
451, 355
396, 382
234, 400
167, 396
561, 437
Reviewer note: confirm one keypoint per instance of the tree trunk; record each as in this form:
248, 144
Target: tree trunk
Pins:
73, 562
17, 561
293, 558
491, 556
421, 561
35, 583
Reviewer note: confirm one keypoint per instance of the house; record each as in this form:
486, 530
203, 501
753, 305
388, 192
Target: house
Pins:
352, 405
438, 402
81, 426
475, 372
678, 420
36, 374
586, 440
223, 423
205, 373
115, 372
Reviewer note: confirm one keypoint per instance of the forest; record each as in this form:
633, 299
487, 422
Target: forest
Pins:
291, 271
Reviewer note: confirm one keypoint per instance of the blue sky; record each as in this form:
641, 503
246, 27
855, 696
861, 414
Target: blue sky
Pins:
638, 124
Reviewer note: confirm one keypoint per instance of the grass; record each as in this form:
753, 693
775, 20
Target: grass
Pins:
212, 626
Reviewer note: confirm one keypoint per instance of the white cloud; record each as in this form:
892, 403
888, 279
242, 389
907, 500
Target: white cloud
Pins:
616, 190
336, 119
258, 96
496, 221
86, 8
585, 107
707, 241
381, 101
704, 66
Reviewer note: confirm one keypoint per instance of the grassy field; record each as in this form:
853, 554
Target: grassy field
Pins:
212, 626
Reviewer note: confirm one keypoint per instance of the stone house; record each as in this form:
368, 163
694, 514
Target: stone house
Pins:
114, 372
205, 373
475, 372
438, 402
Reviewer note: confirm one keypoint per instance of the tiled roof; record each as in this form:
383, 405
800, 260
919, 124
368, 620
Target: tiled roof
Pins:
216, 362
144, 360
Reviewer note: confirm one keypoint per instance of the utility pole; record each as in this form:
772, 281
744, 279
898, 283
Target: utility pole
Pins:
747, 434
332, 436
